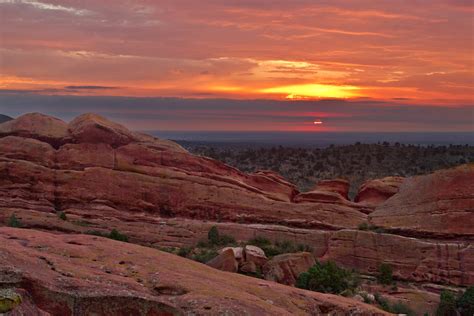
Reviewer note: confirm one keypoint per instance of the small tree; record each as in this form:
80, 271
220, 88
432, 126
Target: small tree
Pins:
385, 274
14, 222
213, 235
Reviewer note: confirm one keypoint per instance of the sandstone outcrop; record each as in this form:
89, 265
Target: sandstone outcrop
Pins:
287, 267
340, 186
85, 275
441, 203
375, 192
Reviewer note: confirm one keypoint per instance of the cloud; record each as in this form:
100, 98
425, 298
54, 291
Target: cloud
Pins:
90, 87
47, 6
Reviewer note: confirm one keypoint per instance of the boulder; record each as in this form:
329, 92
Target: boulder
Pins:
441, 203
37, 126
255, 254
287, 267
238, 252
375, 192
225, 261
92, 128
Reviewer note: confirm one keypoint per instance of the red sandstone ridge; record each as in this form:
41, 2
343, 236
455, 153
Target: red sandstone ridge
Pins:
441, 203
93, 164
340, 186
86, 275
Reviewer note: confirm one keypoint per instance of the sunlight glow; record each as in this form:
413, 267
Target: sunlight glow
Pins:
314, 91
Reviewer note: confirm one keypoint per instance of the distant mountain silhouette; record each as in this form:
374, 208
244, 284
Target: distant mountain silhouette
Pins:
5, 118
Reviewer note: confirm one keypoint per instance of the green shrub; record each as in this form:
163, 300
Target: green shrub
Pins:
385, 275
214, 238
62, 216
184, 252
465, 302
205, 255
213, 235
14, 222
327, 278
447, 304
116, 235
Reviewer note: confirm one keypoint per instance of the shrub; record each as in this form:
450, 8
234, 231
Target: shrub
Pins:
363, 226
184, 252
465, 302
213, 235
116, 235
385, 274
14, 222
214, 238
327, 278
447, 304
205, 255
397, 308
62, 216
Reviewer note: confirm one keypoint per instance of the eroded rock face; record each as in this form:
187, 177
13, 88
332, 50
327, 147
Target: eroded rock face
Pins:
287, 267
410, 258
85, 275
375, 192
441, 203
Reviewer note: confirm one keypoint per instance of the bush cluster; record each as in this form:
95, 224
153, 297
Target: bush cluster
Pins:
328, 278
450, 304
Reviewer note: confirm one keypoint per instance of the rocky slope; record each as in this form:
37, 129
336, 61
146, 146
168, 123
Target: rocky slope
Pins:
105, 177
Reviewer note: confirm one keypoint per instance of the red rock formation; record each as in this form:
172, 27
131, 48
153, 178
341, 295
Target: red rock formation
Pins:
340, 186
287, 267
441, 203
84, 275
102, 165
375, 192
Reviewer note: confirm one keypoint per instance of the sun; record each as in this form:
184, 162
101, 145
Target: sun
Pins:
318, 91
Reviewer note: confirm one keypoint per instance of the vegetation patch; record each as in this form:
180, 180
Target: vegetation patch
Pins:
13, 221
385, 275
328, 278
114, 234
279, 247
397, 308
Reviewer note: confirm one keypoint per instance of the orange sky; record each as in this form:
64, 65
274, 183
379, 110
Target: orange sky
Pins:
419, 52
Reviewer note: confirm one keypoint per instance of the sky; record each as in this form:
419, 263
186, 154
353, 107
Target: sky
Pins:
299, 65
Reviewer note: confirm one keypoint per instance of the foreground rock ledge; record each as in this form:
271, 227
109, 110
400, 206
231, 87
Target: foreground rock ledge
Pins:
84, 275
